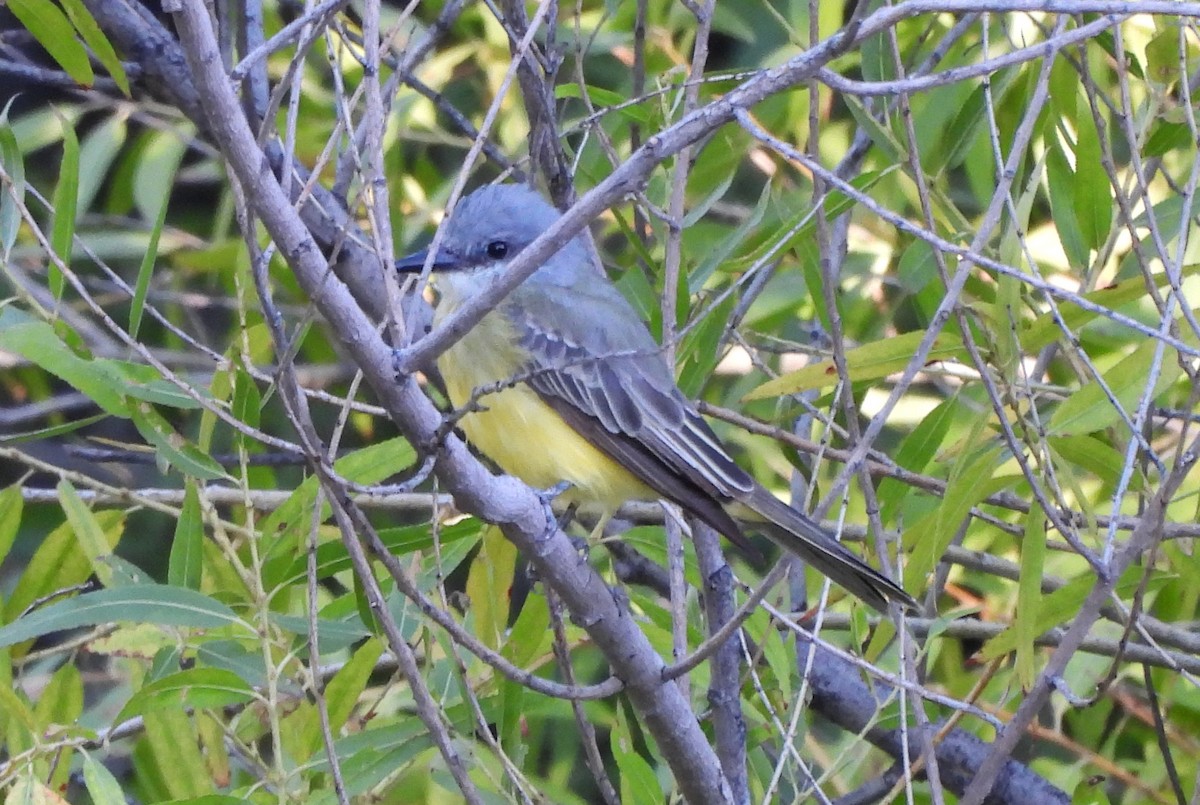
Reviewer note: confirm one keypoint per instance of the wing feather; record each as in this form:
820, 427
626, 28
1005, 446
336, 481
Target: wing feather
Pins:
622, 398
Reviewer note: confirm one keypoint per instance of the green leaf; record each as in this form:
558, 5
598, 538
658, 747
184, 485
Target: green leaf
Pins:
54, 32
86, 25
529, 638
916, 452
101, 785
172, 742
37, 342
247, 402
959, 132
366, 466
332, 557
1162, 56
1088, 409
343, 691
11, 506
61, 700
1096, 457
1060, 183
371, 756
172, 448
917, 267
52, 431
1090, 791
970, 482
13, 705
1092, 190
639, 784
29, 790
1166, 136
187, 547
66, 195
145, 383
142, 286
701, 350
728, 245
1045, 330
1029, 596
153, 181
868, 362
489, 584
143, 603
776, 650
88, 532
1060, 606
882, 137
99, 148
601, 98
10, 199
333, 635
154, 176
512, 716
194, 688
58, 564
232, 655
530, 635
648, 541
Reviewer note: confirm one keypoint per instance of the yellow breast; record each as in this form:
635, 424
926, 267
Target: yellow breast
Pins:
520, 433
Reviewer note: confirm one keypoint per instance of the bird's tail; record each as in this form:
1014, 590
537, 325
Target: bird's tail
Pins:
794, 532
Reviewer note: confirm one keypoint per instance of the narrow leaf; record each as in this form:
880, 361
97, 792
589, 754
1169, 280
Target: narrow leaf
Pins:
143, 603
52, 431
489, 584
188, 689
868, 362
54, 32
1089, 409
11, 506
11, 198
101, 785
1061, 605
175, 748
639, 784
66, 194
86, 25
58, 564
99, 148
88, 533
37, 342
928, 539
343, 691
142, 286
1092, 190
172, 448
1029, 596
187, 548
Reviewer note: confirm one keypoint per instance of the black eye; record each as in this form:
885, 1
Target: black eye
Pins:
497, 250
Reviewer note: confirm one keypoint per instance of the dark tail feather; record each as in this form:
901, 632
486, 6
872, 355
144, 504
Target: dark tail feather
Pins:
794, 532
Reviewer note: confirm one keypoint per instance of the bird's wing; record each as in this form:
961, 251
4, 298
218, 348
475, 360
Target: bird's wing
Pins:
604, 374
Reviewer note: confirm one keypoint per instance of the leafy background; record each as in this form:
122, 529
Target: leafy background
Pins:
943, 287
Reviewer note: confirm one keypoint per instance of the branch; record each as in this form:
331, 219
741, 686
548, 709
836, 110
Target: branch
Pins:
840, 695
1144, 536
665, 712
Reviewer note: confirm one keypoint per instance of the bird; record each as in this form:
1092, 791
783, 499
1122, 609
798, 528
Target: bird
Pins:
562, 385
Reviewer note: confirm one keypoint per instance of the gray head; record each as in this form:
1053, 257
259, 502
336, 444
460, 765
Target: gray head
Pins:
491, 226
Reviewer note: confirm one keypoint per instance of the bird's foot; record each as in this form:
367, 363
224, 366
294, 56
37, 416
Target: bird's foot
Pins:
547, 496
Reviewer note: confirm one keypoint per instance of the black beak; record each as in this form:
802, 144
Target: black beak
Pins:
415, 262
